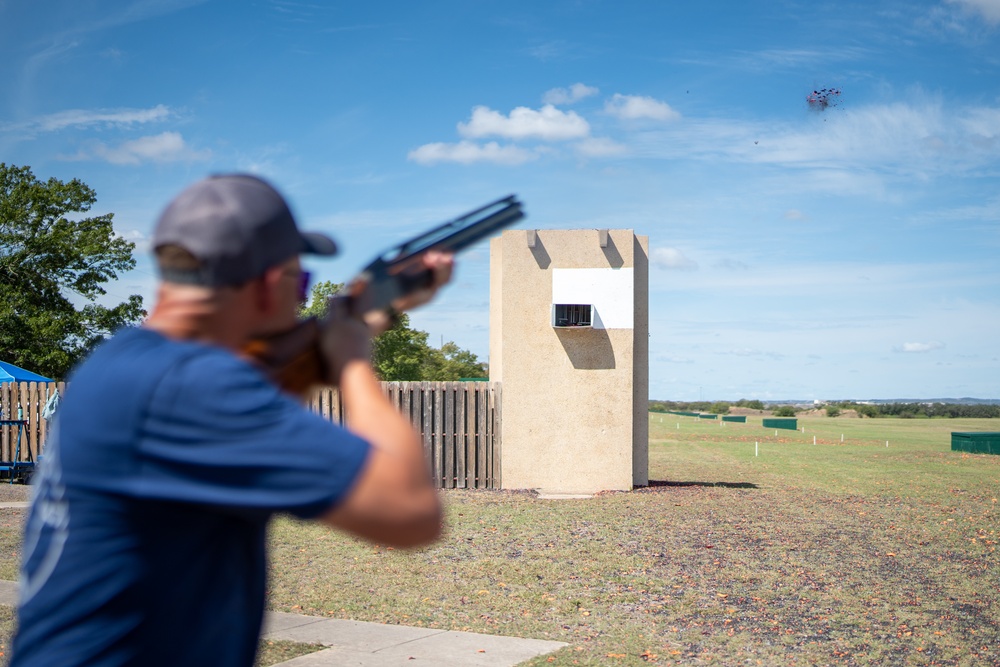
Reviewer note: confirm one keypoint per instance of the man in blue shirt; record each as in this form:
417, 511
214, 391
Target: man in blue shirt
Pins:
145, 544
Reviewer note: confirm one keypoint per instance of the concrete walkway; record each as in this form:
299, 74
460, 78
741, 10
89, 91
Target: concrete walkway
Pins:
361, 644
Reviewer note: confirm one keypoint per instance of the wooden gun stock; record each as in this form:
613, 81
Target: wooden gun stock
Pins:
294, 359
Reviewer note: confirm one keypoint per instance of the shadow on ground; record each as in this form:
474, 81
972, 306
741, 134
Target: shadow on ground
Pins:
654, 483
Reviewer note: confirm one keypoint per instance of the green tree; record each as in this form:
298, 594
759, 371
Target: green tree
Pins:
719, 408
402, 353
869, 410
398, 354
832, 411
784, 411
48, 261
315, 306
452, 363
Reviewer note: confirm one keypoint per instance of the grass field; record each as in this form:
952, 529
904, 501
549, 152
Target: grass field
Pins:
853, 553
849, 553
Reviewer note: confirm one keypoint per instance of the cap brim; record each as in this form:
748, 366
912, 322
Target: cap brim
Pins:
318, 244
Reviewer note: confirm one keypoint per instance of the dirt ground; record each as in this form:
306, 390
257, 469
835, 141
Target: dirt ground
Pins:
844, 414
749, 411
14, 493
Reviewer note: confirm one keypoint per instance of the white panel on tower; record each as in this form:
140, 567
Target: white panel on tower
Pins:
609, 291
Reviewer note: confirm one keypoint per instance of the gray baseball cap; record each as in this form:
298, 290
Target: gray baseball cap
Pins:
238, 226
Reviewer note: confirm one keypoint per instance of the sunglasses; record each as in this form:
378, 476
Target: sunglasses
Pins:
304, 278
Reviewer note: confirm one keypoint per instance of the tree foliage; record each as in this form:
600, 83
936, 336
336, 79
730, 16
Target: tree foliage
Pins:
925, 410
686, 406
318, 296
452, 363
402, 353
900, 410
49, 260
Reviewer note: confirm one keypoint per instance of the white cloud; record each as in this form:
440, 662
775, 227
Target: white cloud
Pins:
988, 9
916, 136
634, 107
81, 118
920, 347
575, 93
140, 239
795, 214
164, 147
468, 152
671, 258
546, 124
982, 124
600, 147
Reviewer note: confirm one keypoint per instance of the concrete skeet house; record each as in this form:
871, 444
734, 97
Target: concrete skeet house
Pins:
569, 341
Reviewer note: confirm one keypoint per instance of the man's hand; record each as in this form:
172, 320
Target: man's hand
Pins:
441, 266
343, 339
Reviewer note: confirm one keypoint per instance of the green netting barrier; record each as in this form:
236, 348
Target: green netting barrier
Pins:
981, 442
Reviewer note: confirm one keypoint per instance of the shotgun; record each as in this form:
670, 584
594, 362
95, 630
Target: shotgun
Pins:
293, 358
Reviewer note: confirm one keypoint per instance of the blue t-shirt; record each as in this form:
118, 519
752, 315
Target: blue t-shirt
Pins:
145, 544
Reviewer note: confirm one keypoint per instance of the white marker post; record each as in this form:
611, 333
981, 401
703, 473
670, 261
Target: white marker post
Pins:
755, 448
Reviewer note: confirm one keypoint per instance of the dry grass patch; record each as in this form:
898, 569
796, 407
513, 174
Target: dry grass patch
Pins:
804, 555
848, 553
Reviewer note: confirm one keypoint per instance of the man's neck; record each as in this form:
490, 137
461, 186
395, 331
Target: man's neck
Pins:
197, 315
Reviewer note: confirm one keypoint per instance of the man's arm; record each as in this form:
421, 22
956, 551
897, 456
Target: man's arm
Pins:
394, 500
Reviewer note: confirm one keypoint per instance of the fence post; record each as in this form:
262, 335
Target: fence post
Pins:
461, 476
495, 447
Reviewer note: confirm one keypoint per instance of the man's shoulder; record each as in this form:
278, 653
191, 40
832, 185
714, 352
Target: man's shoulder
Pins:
138, 350
129, 343
139, 364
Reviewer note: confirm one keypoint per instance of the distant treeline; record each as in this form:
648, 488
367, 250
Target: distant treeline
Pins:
900, 410
914, 410
716, 407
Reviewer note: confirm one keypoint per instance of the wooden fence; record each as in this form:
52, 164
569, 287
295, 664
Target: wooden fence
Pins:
458, 421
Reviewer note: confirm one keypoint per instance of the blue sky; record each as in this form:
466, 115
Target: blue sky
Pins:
850, 252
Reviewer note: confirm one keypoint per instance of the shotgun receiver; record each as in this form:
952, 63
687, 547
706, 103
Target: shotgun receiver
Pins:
294, 359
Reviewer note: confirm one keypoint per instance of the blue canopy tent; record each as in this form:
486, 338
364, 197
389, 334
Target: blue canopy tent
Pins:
16, 468
12, 373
